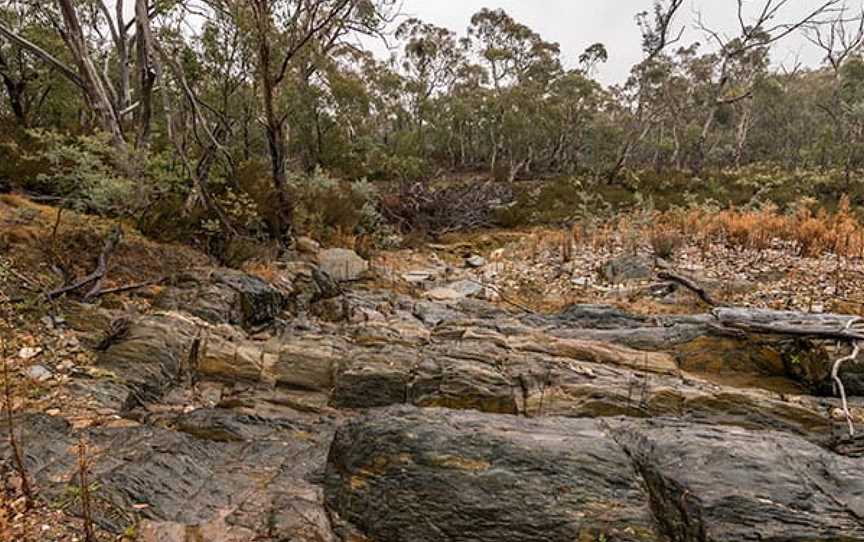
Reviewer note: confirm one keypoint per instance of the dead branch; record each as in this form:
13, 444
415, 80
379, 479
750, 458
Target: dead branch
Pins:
690, 285
97, 275
838, 383
129, 287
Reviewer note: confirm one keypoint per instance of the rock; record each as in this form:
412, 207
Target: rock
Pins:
342, 264
418, 277
433, 314
728, 484
374, 378
249, 482
334, 309
224, 296
626, 268
455, 290
441, 472
476, 261
38, 373
594, 317
307, 245
304, 284
309, 362
443, 294
259, 301
469, 476
29, 352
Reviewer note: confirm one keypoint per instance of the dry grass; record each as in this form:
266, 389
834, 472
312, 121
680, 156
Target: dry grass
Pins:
664, 241
808, 231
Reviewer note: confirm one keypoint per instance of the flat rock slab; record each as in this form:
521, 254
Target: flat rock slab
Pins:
421, 475
431, 475
727, 484
219, 474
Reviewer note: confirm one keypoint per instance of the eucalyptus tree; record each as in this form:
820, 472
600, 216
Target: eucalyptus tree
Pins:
432, 58
744, 56
279, 32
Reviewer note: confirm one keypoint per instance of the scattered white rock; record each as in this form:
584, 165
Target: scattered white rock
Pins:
475, 261
456, 290
417, 277
29, 352
38, 373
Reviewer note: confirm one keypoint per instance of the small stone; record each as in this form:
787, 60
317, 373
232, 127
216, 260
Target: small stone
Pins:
475, 261
342, 264
417, 277
456, 290
443, 294
38, 373
29, 352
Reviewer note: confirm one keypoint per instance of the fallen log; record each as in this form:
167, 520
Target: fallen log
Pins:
790, 323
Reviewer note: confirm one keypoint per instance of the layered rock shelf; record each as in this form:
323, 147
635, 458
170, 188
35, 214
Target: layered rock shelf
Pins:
300, 409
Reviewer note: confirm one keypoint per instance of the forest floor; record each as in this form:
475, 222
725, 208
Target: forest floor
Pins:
535, 270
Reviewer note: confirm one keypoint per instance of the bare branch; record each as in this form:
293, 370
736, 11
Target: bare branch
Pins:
44, 55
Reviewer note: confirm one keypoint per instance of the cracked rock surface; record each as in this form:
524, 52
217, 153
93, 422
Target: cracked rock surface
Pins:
238, 409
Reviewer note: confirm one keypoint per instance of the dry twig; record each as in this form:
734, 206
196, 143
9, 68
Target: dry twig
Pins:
17, 457
89, 532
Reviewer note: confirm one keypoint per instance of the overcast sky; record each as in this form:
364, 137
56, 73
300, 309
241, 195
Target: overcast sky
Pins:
576, 24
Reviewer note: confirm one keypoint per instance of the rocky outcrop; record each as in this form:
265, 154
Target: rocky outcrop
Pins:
467, 476
223, 297
215, 411
557, 479
728, 484
234, 476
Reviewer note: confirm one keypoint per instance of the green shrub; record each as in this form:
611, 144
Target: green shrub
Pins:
81, 170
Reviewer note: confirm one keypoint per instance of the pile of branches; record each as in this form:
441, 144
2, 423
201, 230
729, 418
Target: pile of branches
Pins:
439, 210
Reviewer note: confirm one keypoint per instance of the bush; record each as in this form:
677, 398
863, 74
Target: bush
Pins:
81, 170
330, 209
665, 242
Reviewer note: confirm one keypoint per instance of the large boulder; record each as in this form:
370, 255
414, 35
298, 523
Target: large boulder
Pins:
431, 475
448, 475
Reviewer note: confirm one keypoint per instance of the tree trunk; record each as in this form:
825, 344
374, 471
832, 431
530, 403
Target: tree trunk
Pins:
94, 90
699, 159
146, 73
15, 89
